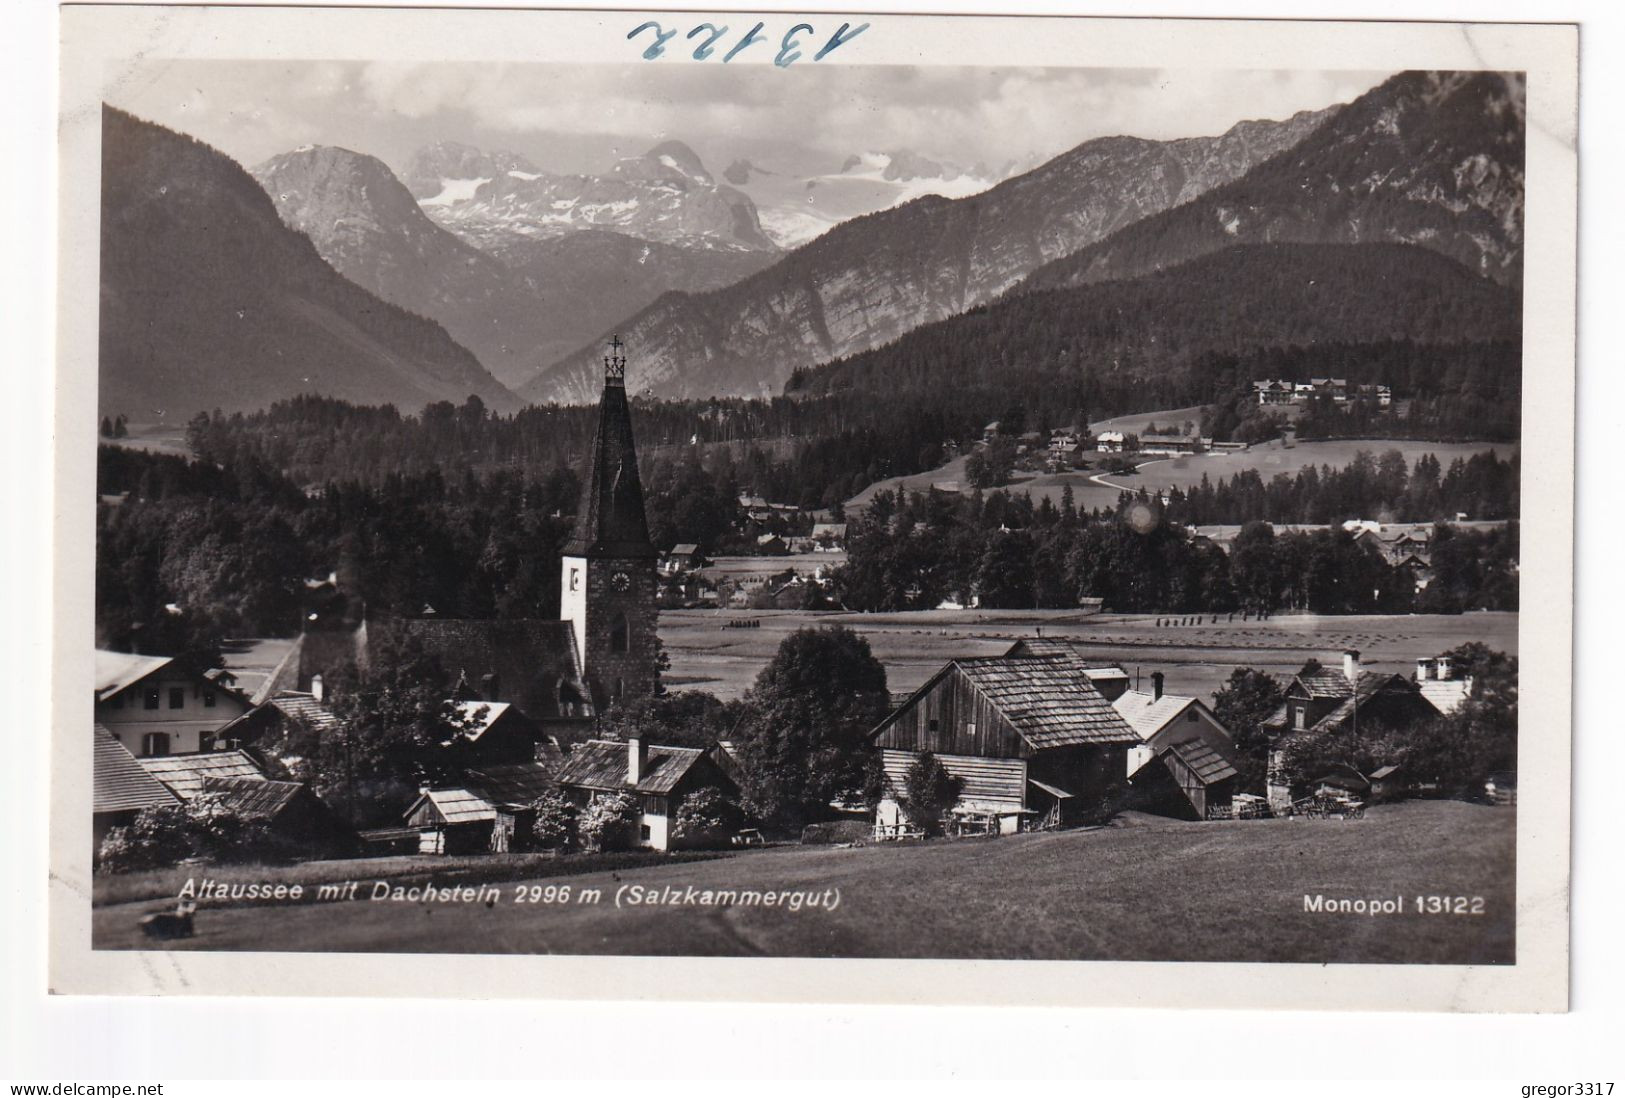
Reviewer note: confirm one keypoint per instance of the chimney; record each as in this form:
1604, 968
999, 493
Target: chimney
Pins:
317, 690
1156, 686
1424, 670
637, 758
1445, 671
1351, 665
490, 687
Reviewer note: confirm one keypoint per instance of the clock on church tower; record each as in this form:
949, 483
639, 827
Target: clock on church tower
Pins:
608, 581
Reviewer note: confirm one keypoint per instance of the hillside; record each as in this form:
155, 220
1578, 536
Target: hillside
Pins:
1118, 337
209, 301
869, 280
1430, 159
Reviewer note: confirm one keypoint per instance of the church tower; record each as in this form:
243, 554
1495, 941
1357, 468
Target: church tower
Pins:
607, 590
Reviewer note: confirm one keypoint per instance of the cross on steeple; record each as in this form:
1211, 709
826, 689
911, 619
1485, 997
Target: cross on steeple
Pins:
615, 363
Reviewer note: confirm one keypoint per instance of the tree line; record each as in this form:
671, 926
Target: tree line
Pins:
914, 552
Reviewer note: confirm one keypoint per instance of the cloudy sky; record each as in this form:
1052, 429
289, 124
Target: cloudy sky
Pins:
802, 119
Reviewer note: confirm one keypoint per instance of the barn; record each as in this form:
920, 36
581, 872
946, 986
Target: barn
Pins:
487, 810
1186, 767
293, 814
1034, 742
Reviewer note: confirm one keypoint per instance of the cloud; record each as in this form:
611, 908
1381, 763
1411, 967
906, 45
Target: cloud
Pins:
962, 114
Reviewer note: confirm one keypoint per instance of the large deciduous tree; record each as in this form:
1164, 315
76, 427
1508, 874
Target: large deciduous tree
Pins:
804, 742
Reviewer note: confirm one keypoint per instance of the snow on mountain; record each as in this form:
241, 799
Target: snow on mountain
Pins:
498, 201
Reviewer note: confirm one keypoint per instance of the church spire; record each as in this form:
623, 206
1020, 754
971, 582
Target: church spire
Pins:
610, 521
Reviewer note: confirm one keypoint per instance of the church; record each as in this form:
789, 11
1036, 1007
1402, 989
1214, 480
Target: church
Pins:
561, 673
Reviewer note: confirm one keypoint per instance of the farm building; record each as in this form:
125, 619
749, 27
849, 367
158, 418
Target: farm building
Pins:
1323, 700
1187, 764
154, 707
120, 787
1031, 737
287, 714
684, 557
660, 777
488, 809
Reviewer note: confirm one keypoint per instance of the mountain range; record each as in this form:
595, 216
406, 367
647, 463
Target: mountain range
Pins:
531, 296
871, 279
209, 301
474, 272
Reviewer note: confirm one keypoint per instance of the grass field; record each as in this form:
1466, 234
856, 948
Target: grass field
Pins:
1091, 489
1148, 890
1196, 658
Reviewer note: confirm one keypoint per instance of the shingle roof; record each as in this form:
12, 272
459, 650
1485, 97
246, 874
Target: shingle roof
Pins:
1146, 713
512, 783
1327, 682
256, 798
601, 764
119, 784
1207, 764
184, 774
1072, 649
459, 806
305, 709
117, 670
1050, 702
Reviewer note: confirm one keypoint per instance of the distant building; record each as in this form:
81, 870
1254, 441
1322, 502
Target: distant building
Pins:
1109, 442
684, 557
829, 537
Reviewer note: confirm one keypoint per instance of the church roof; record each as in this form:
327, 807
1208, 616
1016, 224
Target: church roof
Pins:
610, 521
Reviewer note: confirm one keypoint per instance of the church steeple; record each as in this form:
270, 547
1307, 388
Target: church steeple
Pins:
608, 581
611, 521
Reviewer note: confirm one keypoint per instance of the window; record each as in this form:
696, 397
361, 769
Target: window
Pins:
177, 697
1298, 716
643, 832
155, 743
149, 698
1191, 716
619, 635
933, 724
208, 699
575, 579
970, 728
118, 701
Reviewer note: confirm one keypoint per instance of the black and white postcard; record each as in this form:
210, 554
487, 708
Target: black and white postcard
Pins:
788, 505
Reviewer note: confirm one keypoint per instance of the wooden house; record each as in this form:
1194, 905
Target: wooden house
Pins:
184, 775
154, 707
659, 777
1030, 737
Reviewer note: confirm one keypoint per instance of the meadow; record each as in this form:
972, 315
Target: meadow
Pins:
1142, 889
1197, 658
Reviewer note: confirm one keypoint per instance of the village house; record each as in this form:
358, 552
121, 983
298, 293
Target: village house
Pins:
1323, 700
1110, 442
1186, 766
154, 707
184, 775
1031, 738
658, 777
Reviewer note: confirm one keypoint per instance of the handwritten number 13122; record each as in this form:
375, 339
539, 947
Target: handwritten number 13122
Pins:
789, 51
